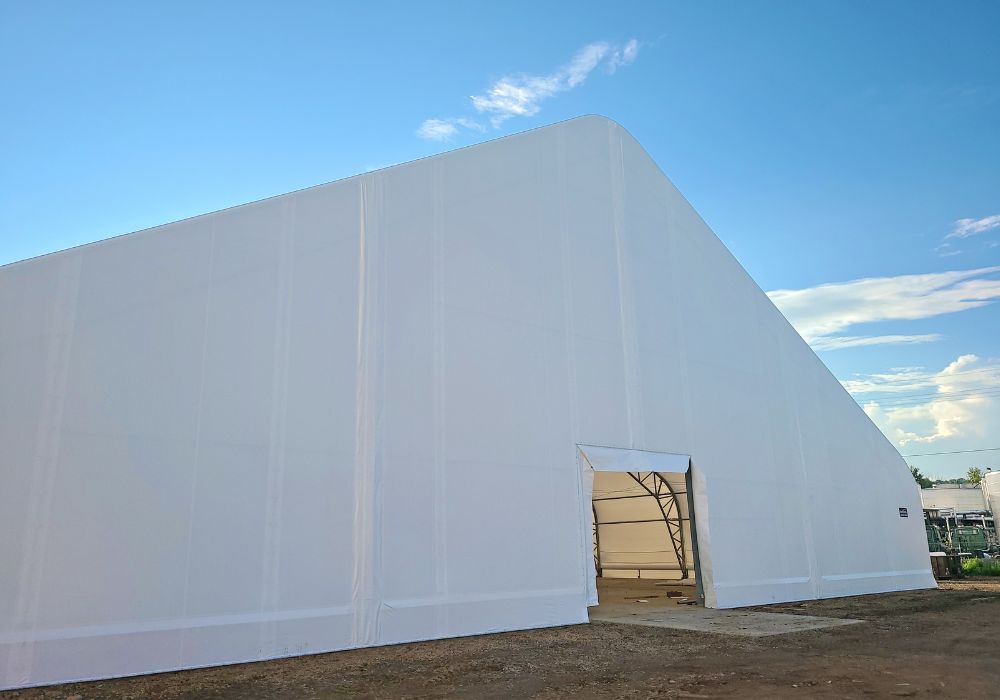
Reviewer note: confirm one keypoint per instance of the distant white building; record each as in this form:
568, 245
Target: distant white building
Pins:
962, 498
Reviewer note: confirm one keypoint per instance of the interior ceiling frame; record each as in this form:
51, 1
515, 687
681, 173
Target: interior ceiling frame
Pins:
657, 487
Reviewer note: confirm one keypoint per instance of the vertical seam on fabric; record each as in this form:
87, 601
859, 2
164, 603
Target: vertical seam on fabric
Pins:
439, 543
380, 186
20, 658
629, 359
199, 412
361, 451
569, 328
278, 427
807, 526
368, 499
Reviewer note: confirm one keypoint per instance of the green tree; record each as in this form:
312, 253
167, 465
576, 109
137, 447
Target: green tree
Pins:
974, 475
922, 481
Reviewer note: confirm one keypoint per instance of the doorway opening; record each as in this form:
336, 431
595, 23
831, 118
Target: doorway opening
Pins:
643, 537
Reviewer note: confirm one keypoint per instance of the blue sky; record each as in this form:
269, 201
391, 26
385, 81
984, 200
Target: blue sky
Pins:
848, 153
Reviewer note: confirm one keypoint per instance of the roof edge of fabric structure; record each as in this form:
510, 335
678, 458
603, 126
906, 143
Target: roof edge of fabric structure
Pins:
340, 180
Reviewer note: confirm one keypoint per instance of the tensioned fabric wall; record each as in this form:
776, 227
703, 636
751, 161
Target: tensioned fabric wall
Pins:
348, 416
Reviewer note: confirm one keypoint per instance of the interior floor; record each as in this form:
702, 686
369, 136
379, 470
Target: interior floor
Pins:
626, 595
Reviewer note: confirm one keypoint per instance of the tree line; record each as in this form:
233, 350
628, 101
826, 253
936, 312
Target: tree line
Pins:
973, 476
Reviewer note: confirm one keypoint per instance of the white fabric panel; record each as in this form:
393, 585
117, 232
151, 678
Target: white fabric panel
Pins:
587, 532
349, 416
616, 459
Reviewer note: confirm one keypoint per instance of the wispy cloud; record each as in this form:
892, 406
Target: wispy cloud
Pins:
896, 380
920, 407
521, 95
855, 341
963, 228
623, 56
822, 313
946, 250
444, 129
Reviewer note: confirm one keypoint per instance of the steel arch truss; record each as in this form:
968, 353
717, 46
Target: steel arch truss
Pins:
659, 488
597, 543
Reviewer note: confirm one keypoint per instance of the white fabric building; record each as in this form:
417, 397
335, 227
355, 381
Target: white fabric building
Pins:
372, 411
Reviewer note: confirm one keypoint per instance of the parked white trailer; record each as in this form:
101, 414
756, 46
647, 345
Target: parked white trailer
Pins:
353, 415
990, 486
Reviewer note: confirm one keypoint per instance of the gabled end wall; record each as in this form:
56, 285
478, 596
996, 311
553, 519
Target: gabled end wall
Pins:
798, 494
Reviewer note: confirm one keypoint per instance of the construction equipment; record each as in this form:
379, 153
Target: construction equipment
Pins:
935, 543
970, 540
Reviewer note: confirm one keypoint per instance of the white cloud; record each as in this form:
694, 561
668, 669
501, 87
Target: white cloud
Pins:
521, 95
946, 250
624, 56
960, 401
583, 62
821, 313
963, 228
854, 341
516, 97
437, 129
444, 129
896, 380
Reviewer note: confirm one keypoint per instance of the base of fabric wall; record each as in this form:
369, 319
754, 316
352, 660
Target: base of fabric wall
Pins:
883, 582
737, 595
95, 653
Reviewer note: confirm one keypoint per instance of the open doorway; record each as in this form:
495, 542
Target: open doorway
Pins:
642, 529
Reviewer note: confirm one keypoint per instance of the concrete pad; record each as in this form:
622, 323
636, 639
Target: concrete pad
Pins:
699, 619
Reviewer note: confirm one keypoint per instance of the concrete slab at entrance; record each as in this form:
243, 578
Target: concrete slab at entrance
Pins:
654, 603
733, 622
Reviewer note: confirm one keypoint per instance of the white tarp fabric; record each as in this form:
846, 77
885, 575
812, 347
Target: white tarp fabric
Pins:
616, 459
349, 416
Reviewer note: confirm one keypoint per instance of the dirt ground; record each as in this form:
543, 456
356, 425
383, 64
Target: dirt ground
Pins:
940, 643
